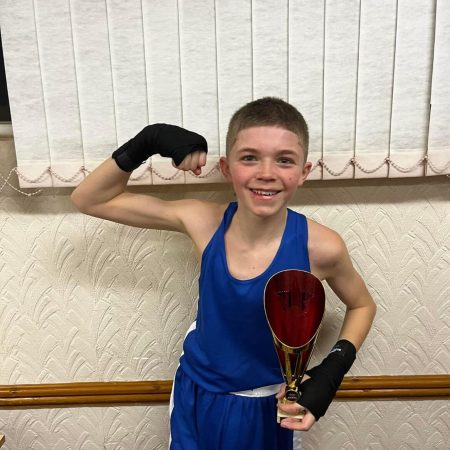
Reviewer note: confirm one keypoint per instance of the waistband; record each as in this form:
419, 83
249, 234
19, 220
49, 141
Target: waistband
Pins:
263, 391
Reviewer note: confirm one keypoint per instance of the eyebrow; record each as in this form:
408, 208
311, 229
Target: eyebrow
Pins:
286, 151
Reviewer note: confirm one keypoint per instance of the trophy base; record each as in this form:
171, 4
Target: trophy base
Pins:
283, 415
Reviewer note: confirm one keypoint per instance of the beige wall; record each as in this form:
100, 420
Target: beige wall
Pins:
87, 300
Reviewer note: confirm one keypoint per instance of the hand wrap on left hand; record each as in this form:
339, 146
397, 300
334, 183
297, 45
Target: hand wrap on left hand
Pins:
319, 391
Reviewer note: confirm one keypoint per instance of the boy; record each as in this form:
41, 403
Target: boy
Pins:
224, 390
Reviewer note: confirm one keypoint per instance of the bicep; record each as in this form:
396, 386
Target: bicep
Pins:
142, 211
344, 280
350, 288
103, 194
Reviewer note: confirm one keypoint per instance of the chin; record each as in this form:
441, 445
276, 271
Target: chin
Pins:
267, 210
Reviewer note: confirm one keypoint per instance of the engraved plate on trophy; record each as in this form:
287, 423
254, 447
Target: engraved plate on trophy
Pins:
294, 302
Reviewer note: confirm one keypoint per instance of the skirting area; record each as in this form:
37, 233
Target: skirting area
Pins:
146, 392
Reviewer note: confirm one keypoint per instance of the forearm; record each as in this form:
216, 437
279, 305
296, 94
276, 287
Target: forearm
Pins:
106, 182
320, 389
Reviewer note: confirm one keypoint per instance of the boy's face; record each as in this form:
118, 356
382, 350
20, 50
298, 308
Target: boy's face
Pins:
266, 166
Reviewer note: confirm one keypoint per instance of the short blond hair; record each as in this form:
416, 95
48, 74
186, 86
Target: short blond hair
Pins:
268, 111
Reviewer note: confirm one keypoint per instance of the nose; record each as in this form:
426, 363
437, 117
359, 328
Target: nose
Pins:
266, 170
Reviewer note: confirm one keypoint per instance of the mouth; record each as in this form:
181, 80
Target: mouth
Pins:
264, 193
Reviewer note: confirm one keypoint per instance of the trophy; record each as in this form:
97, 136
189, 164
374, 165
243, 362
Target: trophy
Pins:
294, 302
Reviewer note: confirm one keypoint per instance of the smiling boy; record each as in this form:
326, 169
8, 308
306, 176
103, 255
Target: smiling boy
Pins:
225, 386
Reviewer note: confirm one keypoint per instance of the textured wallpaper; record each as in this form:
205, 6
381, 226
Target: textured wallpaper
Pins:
88, 300
381, 425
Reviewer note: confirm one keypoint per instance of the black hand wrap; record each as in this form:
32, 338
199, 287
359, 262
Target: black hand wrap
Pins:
167, 140
319, 391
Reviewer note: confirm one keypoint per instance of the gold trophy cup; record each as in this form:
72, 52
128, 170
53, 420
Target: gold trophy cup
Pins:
294, 302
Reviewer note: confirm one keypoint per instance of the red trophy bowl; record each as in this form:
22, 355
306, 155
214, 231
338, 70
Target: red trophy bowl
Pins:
294, 302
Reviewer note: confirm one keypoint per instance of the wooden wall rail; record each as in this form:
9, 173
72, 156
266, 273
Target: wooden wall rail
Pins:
395, 386
157, 392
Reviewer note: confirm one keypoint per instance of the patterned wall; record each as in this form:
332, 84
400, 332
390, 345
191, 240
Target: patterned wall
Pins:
87, 300
381, 425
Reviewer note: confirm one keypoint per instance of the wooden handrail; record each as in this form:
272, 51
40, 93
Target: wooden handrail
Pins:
396, 382
157, 392
86, 389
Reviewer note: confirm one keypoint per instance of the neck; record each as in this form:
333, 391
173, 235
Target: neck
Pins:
256, 229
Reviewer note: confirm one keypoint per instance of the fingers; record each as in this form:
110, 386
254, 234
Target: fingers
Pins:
202, 159
293, 423
291, 408
193, 162
281, 392
299, 424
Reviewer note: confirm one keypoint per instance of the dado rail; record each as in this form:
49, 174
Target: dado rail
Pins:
352, 388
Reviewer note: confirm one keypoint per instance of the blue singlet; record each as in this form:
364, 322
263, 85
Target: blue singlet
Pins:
231, 348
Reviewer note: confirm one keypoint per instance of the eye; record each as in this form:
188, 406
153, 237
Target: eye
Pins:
285, 160
248, 158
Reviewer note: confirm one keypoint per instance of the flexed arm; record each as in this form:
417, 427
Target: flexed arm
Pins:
103, 193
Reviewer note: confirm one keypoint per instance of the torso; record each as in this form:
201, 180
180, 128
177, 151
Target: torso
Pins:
246, 263
249, 263
230, 308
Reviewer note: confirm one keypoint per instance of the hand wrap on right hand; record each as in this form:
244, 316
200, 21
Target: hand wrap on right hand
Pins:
167, 140
319, 390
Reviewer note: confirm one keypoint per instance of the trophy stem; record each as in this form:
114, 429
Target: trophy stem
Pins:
288, 369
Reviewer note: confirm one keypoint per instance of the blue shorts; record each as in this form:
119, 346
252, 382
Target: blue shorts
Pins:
202, 420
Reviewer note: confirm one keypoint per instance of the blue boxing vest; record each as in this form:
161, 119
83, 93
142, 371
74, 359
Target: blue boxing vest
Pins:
231, 348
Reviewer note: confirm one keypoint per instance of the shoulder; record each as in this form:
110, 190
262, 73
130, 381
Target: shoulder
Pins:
327, 250
199, 213
201, 220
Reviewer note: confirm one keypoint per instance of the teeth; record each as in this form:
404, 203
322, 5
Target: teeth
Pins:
265, 193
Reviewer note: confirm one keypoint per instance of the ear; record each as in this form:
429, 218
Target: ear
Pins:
305, 172
225, 168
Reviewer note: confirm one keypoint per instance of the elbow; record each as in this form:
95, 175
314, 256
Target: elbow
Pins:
84, 204
373, 312
75, 199
373, 305
373, 309
79, 202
